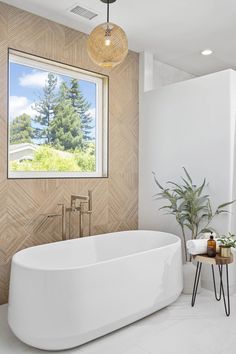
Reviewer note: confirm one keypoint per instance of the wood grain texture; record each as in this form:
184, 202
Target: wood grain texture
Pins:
217, 260
23, 201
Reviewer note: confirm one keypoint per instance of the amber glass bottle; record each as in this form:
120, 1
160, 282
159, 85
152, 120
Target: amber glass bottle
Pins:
211, 247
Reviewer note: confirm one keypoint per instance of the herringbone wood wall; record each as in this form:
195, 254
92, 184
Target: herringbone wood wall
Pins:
22, 201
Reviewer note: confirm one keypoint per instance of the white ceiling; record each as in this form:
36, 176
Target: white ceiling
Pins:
174, 30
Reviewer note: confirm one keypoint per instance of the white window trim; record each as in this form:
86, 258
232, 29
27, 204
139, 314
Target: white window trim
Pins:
101, 82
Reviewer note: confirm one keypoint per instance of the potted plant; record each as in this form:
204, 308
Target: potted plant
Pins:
192, 209
226, 242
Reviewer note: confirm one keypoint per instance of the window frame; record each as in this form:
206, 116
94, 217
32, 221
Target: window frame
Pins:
102, 114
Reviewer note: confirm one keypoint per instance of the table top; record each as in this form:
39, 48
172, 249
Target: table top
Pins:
217, 260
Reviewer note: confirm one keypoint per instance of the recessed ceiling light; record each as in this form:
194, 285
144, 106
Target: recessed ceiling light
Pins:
207, 52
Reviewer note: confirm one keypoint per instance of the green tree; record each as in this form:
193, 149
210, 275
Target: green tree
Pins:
81, 105
65, 128
21, 130
46, 109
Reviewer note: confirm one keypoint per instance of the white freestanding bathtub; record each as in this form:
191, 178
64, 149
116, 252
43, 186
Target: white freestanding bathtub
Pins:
67, 293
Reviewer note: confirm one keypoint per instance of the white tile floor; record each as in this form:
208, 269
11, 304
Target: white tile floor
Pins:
178, 329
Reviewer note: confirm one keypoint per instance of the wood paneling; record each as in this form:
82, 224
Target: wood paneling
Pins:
22, 201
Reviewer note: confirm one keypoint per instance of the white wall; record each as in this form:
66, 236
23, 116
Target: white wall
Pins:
233, 139
154, 74
165, 74
189, 124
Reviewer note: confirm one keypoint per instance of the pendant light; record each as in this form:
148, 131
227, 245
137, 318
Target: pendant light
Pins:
107, 44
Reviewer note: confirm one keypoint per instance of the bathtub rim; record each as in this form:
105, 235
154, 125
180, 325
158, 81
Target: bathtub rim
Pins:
176, 241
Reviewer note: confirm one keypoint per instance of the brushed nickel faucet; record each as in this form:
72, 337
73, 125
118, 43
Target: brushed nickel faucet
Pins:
79, 203
84, 208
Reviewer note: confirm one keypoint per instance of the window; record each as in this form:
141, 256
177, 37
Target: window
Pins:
57, 121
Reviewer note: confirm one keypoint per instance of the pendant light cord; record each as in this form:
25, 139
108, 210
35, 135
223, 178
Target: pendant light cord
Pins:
108, 11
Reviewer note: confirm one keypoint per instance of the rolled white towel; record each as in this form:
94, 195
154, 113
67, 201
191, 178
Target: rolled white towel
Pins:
197, 246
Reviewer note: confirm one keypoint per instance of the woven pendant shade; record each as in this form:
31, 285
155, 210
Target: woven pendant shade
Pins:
107, 45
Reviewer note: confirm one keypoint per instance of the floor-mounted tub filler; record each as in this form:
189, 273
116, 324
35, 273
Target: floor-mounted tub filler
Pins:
67, 293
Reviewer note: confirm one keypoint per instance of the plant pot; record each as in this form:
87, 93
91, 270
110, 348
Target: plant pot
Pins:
189, 270
225, 251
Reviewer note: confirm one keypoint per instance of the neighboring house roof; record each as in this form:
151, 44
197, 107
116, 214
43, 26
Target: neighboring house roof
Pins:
20, 147
19, 152
22, 151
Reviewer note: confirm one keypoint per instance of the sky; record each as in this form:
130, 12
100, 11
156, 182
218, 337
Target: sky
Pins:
26, 85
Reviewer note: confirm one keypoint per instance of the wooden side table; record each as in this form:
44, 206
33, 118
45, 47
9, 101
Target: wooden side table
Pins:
214, 261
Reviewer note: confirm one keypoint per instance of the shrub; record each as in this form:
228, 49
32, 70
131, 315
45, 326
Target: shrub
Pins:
47, 158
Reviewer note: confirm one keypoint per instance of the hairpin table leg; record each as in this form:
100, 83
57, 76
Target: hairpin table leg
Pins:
214, 283
196, 282
227, 305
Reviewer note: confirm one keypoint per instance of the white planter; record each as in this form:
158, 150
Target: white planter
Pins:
189, 270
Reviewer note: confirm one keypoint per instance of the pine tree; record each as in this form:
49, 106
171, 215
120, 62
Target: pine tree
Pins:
46, 108
81, 105
65, 128
21, 130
